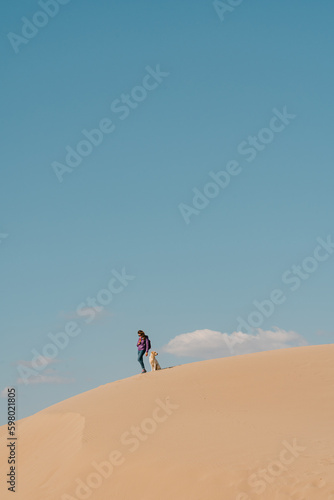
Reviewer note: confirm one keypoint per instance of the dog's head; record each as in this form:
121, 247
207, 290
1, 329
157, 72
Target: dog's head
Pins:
153, 353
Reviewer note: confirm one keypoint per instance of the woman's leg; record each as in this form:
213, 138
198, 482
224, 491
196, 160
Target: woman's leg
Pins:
140, 358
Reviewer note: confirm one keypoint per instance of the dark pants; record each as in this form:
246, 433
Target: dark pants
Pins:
140, 358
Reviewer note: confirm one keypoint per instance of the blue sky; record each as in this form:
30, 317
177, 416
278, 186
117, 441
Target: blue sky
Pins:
120, 208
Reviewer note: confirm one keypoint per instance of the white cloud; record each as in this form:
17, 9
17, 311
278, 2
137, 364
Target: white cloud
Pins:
45, 379
4, 392
49, 371
42, 359
208, 344
29, 372
324, 333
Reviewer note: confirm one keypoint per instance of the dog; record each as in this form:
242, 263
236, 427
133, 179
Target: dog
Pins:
153, 362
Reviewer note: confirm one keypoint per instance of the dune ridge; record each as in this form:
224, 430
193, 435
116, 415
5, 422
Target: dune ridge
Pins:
257, 426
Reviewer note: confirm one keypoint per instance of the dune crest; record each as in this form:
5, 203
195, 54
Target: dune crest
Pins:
257, 426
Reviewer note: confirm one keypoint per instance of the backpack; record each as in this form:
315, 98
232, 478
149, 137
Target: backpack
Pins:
149, 343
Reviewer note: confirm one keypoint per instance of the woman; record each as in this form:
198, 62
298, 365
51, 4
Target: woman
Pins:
143, 348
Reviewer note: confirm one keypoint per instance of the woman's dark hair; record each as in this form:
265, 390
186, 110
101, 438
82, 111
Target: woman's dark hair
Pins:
140, 332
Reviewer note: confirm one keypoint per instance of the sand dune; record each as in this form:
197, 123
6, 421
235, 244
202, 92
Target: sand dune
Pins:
258, 426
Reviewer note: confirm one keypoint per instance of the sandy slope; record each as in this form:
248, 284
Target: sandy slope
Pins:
259, 426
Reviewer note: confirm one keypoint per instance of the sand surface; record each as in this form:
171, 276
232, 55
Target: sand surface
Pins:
258, 426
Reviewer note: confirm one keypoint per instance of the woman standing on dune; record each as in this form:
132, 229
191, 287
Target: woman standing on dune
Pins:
143, 345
